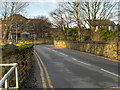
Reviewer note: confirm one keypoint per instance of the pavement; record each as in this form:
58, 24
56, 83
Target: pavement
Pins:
65, 68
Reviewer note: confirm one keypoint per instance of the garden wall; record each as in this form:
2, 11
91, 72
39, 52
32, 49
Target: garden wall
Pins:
107, 49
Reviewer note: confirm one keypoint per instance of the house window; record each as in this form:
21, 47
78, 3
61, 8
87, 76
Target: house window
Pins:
13, 35
22, 28
13, 27
115, 27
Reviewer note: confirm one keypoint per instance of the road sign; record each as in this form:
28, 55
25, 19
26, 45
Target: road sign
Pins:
34, 35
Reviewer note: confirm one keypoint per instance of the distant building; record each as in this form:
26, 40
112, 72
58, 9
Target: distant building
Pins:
102, 23
20, 25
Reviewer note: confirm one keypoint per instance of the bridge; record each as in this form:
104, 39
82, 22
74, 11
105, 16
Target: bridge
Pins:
65, 68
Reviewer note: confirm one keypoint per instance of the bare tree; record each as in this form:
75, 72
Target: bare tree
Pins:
84, 12
97, 11
8, 9
62, 19
41, 23
74, 9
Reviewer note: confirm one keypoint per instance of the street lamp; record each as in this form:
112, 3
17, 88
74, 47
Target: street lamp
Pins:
5, 29
16, 33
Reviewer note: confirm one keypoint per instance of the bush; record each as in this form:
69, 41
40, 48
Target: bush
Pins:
12, 49
23, 46
2, 44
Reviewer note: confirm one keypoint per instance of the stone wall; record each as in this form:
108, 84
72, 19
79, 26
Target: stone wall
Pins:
110, 50
25, 62
43, 41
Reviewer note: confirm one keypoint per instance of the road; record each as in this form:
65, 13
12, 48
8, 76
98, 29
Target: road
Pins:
65, 68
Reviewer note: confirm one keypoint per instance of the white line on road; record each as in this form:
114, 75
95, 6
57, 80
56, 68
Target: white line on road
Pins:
54, 50
63, 54
81, 62
110, 72
46, 48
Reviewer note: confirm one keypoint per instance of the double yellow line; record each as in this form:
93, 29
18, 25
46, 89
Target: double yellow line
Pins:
41, 64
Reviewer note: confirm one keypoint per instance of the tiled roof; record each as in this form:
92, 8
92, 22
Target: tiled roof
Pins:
15, 15
24, 31
17, 31
102, 22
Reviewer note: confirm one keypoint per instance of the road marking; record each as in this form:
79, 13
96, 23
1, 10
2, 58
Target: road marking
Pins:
116, 87
110, 72
54, 50
46, 72
63, 54
81, 62
48, 48
114, 60
41, 74
45, 47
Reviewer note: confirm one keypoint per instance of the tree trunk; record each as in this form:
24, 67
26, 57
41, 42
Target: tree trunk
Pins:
79, 29
4, 35
78, 22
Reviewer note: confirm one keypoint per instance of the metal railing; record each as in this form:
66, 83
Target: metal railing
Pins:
6, 76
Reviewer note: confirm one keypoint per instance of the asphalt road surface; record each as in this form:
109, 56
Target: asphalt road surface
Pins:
65, 68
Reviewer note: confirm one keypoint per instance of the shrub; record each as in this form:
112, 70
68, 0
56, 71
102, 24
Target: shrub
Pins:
12, 49
23, 46
2, 44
